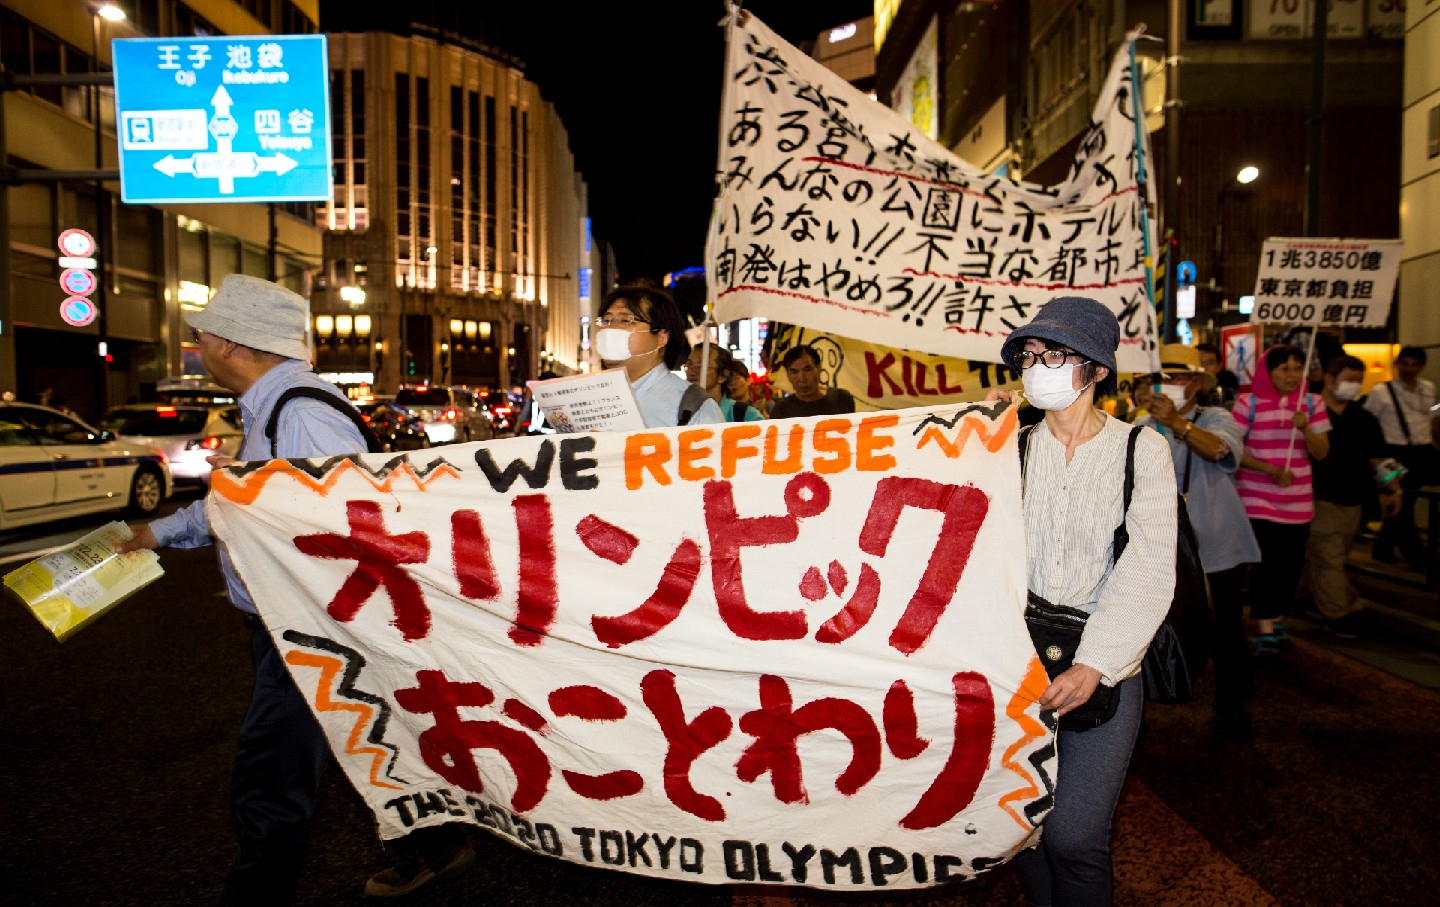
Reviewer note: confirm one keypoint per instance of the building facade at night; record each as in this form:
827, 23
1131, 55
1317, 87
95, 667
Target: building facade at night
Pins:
457, 244
156, 261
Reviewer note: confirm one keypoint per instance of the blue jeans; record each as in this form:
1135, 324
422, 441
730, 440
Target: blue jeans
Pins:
1071, 866
281, 756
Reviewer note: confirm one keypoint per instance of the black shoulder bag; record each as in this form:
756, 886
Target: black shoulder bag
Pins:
1055, 632
1183, 641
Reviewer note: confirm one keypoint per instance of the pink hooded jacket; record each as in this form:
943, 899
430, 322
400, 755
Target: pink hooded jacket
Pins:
1264, 415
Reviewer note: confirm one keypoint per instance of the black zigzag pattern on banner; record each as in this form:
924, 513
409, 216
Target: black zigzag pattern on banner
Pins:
354, 661
319, 472
990, 410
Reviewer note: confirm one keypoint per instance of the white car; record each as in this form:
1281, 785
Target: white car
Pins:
187, 434
449, 413
54, 466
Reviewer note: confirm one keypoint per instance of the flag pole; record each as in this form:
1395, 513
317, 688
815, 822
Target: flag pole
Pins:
733, 12
1137, 107
1304, 393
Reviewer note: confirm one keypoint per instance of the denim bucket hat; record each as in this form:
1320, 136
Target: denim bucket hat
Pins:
1077, 322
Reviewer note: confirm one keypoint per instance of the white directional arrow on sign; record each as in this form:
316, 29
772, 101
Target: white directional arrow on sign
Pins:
171, 165
224, 164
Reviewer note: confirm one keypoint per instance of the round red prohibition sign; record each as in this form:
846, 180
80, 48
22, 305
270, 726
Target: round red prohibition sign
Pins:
76, 243
78, 312
77, 281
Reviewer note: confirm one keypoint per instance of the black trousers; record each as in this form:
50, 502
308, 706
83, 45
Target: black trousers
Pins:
281, 756
1233, 679
1274, 580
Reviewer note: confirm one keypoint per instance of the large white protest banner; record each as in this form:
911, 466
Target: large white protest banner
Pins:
785, 652
835, 213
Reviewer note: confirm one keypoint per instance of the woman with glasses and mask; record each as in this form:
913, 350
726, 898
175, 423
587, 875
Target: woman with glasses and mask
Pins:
1074, 475
640, 329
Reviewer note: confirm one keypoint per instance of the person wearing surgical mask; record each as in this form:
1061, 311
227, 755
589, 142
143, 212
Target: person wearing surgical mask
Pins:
1071, 502
1205, 445
1356, 479
641, 330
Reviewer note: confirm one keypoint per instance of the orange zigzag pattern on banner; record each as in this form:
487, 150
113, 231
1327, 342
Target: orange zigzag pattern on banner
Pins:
1034, 684
968, 425
246, 490
329, 667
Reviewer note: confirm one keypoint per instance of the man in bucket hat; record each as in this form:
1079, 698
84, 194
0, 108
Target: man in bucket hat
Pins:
253, 339
1206, 444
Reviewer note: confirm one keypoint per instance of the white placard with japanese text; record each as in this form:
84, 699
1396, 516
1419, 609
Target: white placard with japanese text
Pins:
593, 401
1345, 282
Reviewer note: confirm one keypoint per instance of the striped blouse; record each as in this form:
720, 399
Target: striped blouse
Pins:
1269, 434
1071, 511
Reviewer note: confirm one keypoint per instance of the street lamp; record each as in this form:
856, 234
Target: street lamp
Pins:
1246, 175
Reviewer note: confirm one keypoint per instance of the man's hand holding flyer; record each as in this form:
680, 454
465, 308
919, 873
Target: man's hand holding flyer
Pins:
600, 401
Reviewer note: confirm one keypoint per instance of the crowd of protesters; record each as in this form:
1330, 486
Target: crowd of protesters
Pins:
1283, 478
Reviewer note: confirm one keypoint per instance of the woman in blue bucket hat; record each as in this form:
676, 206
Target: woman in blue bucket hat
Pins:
1073, 477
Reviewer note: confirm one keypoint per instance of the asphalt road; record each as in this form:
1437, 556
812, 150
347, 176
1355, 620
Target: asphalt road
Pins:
117, 769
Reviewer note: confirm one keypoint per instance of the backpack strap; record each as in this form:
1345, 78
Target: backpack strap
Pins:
372, 443
1024, 442
690, 403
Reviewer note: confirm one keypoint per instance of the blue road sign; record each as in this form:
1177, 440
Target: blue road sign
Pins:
1185, 273
229, 119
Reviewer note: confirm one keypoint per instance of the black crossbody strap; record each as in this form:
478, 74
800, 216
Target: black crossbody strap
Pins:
1399, 413
1024, 440
1122, 532
372, 443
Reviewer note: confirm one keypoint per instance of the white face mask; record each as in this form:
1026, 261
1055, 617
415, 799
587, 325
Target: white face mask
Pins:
612, 344
1175, 393
1347, 390
1050, 388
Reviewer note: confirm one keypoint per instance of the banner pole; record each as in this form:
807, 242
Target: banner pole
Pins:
1141, 177
1304, 392
733, 12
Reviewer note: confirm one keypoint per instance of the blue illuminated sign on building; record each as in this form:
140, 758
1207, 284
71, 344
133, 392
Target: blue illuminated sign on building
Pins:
228, 119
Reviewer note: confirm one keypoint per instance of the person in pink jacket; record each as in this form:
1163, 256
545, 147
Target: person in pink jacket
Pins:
1284, 426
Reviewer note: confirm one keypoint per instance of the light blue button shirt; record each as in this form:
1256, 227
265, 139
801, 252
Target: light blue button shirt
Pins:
307, 428
659, 391
1221, 526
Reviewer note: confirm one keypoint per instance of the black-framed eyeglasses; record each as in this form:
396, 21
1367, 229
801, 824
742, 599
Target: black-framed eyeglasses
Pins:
1047, 358
621, 321
195, 335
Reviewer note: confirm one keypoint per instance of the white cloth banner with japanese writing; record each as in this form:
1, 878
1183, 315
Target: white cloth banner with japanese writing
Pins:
788, 652
835, 213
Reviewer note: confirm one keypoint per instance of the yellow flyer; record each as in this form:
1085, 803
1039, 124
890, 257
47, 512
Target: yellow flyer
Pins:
67, 589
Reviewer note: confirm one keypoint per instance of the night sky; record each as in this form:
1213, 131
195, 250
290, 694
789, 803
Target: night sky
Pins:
638, 88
